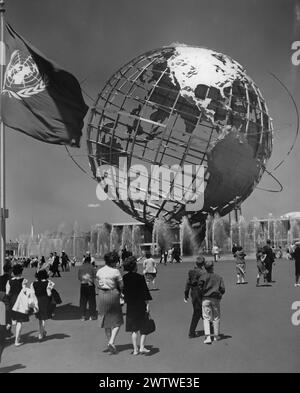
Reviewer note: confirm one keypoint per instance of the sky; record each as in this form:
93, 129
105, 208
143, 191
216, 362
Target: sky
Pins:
93, 38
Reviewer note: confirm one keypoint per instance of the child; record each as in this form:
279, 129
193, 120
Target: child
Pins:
42, 289
13, 288
262, 271
240, 265
150, 271
212, 288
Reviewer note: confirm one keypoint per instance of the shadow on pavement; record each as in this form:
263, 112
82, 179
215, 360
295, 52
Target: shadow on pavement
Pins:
57, 336
28, 338
67, 312
9, 369
128, 347
224, 337
124, 347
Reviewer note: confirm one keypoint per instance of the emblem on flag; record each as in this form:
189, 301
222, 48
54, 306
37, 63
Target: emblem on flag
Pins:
22, 78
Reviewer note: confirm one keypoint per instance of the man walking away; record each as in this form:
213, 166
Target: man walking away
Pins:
55, 266
192, 288
64, 261
212, 288
269, 260
87, 275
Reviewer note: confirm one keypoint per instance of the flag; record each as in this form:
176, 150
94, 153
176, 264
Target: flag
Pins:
39, 98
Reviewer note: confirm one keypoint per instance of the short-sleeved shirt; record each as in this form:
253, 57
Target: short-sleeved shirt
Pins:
149, 265
109, 278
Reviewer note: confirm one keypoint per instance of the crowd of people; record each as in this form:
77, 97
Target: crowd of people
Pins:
170, 255
118, 283
265, 258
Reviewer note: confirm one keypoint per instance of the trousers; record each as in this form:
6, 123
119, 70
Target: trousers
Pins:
87, 298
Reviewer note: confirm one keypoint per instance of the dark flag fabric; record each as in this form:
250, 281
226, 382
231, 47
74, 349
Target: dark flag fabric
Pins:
39, 98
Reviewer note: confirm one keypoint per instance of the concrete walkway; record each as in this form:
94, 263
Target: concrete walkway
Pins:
256, 322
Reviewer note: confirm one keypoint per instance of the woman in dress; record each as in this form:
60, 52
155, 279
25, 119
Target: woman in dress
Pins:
42, 288
42, 263
150, 271
110, 286
240, 265
13, 288
136, 296
261, 268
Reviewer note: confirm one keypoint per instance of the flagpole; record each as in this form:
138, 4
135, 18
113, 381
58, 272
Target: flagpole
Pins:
2, 142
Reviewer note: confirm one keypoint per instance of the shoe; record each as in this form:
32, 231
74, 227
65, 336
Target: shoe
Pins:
135, 353
9, 334
144, 351
217, 338
112, 349
207, 340
83, 319
18, 344
192, 335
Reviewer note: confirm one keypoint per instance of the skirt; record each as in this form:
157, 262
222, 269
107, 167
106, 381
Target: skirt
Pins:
150, 276
135, 317
261, 268
297, 268
241, 268
44, 308
110, 309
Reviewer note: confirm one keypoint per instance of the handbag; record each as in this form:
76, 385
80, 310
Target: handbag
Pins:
148, 325
55, 296
22, 303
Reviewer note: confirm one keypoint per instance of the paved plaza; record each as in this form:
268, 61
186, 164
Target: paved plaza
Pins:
258, 335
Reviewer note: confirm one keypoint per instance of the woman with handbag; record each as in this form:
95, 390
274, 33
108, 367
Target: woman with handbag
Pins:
136, 296
13, 288
42, 288
150, 271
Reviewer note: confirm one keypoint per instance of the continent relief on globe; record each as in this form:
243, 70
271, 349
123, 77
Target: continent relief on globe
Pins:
186, 105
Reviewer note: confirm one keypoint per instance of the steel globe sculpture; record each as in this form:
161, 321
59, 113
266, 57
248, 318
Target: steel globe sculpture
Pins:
183, 105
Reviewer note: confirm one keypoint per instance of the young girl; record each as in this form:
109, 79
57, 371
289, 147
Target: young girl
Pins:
240, 265
42, 288
261, 268
149, 266
13, 288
